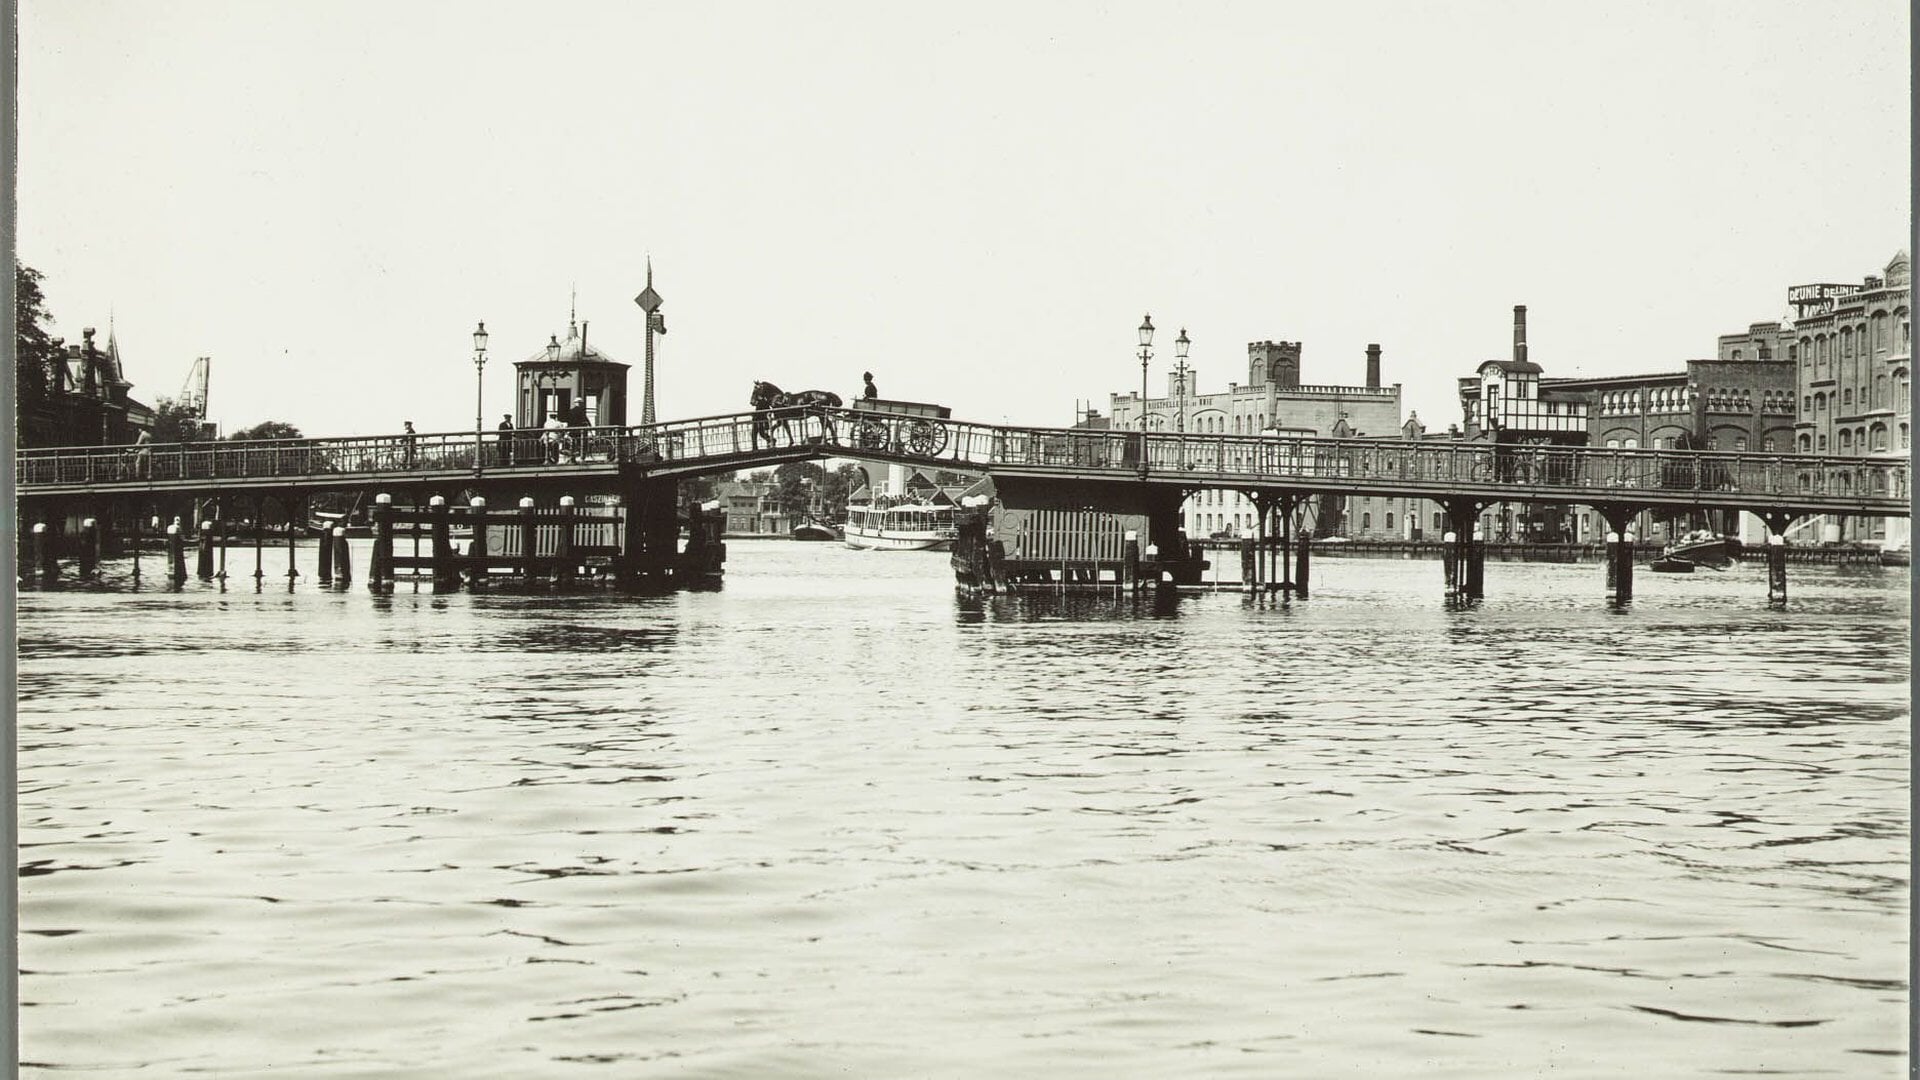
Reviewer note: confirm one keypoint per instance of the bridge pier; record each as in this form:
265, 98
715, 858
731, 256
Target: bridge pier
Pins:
1463, 551
89, 547
1777, 522
1619, 557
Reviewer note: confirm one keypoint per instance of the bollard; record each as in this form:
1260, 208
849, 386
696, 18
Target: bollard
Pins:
563, 544
1301, 562
176, 555
380, 563
529, 541
1129, 563
1776, 568
477, 547
1476, 565
89, 548
324, 569
1613, 562
1450, 560
445, 577
342, 562
1623, 578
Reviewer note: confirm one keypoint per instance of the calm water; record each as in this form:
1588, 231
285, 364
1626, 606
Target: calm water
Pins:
831, 821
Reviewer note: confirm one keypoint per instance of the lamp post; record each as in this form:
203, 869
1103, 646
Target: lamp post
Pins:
1180, 345
1146, 353
479, 386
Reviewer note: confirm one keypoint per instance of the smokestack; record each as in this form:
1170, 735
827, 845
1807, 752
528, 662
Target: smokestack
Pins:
1520, 333
1373, 367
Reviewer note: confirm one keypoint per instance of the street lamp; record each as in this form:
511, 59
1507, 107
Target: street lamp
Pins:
479, 385
1146, 353
1180, 345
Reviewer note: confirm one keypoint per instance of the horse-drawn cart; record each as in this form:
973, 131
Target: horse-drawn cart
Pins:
889, 424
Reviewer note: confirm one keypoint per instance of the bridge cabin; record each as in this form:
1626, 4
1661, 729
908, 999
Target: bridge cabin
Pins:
551, 380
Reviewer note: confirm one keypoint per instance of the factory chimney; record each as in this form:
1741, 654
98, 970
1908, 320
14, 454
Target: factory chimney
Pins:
1373, 367
1520, 333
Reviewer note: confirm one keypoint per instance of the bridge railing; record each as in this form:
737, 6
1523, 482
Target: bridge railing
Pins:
1579, 472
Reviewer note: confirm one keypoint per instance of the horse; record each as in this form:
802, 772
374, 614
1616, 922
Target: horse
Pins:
772, 407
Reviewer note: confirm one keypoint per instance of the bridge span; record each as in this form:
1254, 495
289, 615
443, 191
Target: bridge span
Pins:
1147, 473
1444, 470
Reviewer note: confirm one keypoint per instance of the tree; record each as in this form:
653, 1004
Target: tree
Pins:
36, 352
175, 422
267, 429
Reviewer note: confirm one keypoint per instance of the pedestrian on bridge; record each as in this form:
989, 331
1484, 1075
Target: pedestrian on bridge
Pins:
408, 440
506, 439
870, 391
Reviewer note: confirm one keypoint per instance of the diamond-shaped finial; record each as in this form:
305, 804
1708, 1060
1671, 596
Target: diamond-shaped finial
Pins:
648, 300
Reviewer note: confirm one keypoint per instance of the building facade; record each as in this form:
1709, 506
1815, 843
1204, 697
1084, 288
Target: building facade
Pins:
1851, 347
1272, 397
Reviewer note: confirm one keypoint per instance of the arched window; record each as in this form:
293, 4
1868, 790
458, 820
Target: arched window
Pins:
1389, 521
1736, 354
1879, 433
1436, 521
1846, 441
1806, 444
1903, 437
1846, 397
1366, 521
1823, 444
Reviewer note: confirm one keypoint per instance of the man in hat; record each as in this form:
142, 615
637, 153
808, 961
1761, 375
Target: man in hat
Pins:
506, 438
870, 392
408, 438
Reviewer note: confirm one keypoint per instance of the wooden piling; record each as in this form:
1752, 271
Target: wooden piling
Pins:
324, 567
42, 551
529, 541
380, 563
997, 564
1129, 562
296, 511
89, 548
259, 546
1450, 560
1476, 565
203, 552
1613, 563
1623, 576
342, 559
136, 546
563, 544
477, 547
1249, 565
1776, 568
222, 535
176, 555
445, 577
1301, 562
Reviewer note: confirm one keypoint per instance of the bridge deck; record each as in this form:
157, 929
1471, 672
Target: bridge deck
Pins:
1438, 469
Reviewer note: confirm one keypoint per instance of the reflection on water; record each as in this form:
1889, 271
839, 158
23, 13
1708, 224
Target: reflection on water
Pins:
833, 820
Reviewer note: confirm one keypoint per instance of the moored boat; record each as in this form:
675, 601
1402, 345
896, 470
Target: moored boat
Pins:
1702, 548
912, 526
814, 530
1896, 556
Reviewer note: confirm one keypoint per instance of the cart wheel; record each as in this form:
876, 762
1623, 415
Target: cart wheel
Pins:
927, 437
872, 435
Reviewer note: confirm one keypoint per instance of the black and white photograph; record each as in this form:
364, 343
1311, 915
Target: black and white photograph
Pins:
854, 539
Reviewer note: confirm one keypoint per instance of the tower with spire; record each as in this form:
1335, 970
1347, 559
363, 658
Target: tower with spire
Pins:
649, 302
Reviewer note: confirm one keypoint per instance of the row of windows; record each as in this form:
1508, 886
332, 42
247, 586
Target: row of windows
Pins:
1652, 399
1856, 440
1872, 335
1887, 393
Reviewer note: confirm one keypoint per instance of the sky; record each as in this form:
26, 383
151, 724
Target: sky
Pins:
975, 202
